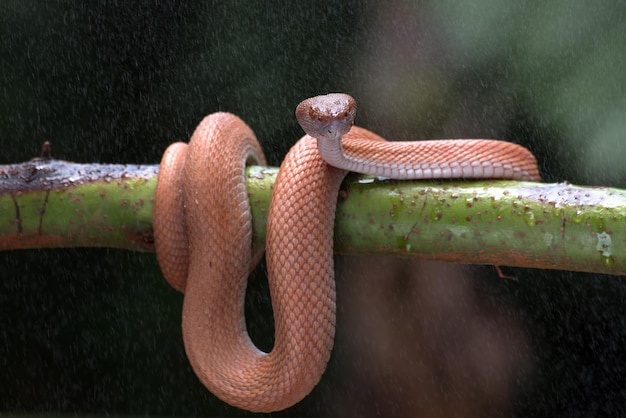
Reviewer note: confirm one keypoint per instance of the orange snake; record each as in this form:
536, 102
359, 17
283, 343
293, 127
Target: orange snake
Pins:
203, 235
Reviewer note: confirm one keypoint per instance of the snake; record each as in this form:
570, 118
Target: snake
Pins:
203, 238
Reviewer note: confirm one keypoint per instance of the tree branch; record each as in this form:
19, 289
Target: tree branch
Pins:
46, 203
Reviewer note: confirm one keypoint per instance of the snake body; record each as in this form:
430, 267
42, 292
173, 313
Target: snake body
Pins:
203, 235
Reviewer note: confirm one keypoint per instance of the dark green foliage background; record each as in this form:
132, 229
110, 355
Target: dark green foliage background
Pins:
98, 331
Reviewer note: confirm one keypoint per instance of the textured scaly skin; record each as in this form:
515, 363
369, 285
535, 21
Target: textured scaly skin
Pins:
219, 235
201, 205
445, 158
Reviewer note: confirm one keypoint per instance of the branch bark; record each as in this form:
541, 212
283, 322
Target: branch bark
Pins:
46, 203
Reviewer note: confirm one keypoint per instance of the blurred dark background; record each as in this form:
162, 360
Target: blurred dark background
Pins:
97, 331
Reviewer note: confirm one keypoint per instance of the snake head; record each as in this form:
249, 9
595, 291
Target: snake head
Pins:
327, 117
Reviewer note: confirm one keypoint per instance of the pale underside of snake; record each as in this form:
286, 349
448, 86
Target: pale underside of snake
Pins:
203, 236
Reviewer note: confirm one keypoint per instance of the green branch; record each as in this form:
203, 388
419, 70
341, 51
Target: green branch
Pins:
50, 203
